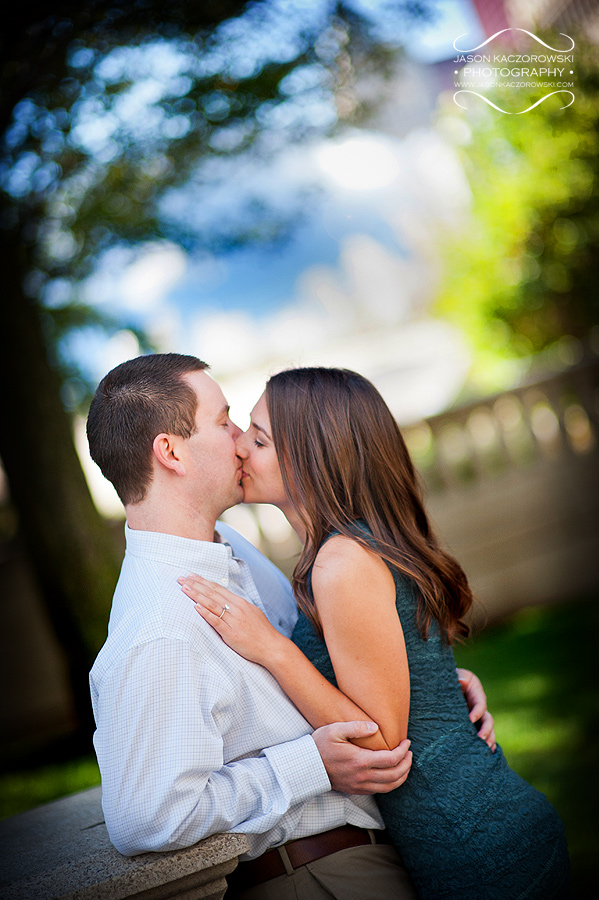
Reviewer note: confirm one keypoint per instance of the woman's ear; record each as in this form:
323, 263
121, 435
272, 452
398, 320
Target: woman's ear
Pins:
165, 448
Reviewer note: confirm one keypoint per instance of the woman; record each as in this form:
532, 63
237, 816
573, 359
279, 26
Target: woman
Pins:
380, 604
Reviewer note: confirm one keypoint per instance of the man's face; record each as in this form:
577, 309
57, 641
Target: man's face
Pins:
209, 454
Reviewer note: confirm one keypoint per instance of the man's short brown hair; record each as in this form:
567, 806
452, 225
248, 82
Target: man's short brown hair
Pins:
136, 401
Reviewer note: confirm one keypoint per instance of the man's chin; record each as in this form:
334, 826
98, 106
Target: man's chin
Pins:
234, 501
244, 494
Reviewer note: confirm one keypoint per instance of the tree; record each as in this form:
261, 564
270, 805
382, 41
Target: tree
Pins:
521, 272
86, 164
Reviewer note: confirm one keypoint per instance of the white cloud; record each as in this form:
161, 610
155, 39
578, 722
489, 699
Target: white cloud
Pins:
147, 281
380, 281
228, 342
294, 330
358, 314
361, 162
123, 345
136, 279
104, 495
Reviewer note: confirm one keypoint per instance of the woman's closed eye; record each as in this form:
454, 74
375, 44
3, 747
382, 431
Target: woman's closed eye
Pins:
258, 443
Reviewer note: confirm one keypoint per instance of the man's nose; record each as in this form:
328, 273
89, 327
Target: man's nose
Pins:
236, 431
240, 447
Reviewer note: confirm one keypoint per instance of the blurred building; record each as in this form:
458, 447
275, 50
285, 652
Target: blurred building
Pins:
582, 15
492, 15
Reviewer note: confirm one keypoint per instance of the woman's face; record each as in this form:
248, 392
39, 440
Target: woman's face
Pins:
261, 476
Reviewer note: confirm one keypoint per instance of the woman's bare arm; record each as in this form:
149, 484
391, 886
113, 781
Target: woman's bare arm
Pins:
355, 596
247, 631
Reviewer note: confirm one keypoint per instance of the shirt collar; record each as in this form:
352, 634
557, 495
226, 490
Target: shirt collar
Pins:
211, 559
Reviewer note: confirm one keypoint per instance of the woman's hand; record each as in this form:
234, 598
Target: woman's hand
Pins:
242, 626
476, 699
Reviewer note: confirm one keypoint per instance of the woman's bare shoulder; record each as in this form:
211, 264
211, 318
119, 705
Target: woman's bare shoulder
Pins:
343, 560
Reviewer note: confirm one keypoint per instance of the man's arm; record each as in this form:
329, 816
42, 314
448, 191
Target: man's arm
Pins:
160, 742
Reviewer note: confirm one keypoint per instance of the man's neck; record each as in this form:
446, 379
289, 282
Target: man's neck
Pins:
171, 518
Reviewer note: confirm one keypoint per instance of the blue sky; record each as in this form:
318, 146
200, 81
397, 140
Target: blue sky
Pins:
260, 278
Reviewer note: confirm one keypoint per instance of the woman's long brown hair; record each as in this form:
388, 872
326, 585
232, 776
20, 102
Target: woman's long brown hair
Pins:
343, 458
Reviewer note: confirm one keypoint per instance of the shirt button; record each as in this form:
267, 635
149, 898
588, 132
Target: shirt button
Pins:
223, 581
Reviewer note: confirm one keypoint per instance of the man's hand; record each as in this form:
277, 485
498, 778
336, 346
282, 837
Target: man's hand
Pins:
354, 770
477, 704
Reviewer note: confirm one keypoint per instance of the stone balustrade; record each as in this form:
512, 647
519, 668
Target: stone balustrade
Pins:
61, 851
553, 419
513, 490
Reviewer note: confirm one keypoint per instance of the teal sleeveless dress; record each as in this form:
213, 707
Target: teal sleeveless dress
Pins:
466, 825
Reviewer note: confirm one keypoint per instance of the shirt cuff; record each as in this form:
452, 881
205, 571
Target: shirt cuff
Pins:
299, 768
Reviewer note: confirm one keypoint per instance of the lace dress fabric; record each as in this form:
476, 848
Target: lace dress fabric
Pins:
466, 825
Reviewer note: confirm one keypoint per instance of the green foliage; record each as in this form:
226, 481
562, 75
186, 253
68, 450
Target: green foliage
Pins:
521, 272
24, 789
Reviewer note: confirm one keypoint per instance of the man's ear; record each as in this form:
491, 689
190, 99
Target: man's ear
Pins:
165, 448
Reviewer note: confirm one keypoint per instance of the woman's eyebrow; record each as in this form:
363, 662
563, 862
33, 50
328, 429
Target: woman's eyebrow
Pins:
260, 428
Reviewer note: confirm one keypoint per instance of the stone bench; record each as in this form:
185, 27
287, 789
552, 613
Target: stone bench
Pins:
61, 851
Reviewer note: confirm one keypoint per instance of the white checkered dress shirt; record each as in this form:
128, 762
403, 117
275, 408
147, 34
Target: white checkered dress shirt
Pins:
191, 738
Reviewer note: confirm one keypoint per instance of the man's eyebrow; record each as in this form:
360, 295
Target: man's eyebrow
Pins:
260, 428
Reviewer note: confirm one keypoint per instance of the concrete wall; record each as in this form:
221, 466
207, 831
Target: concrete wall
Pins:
61, 851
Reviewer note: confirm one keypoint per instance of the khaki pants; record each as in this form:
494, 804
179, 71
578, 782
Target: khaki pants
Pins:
370, 872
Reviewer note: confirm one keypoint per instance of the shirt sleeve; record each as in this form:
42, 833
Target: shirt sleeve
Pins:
163, 725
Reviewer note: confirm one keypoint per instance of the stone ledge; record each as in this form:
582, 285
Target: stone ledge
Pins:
61, 851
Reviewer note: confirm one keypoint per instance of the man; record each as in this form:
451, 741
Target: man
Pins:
191, 738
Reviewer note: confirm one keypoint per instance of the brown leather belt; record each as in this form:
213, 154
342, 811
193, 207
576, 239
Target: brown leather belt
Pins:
299, 853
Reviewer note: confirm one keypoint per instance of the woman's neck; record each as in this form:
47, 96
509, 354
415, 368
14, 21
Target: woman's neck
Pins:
294, 520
